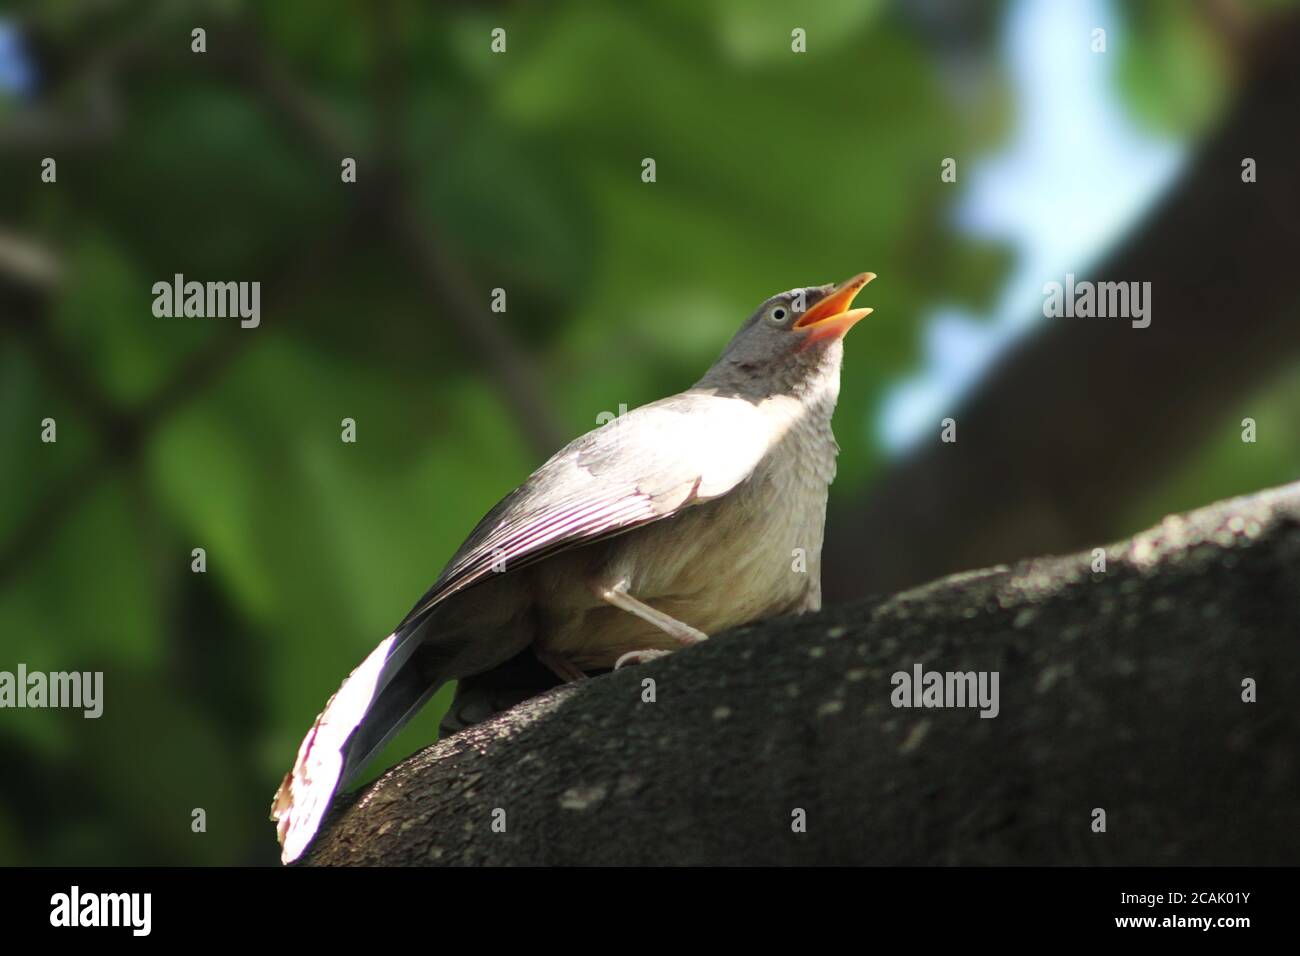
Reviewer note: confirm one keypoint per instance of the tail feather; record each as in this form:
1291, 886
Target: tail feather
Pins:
370, 706
401, 700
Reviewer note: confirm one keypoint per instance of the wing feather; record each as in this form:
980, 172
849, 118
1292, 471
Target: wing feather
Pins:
646, 465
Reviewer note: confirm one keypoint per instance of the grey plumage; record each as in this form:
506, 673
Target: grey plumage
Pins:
684, 517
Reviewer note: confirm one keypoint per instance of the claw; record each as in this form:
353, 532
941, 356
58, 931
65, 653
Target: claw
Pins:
639, 657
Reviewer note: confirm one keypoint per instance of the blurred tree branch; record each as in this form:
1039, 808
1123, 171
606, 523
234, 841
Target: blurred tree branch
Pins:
443, 281
1092, 410
121, 430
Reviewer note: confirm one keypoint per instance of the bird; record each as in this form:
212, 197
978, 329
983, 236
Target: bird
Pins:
684, 517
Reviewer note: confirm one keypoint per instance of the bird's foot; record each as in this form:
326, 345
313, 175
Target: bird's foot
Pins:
639, 657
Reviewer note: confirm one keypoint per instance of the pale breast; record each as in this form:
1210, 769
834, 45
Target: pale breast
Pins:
751, 554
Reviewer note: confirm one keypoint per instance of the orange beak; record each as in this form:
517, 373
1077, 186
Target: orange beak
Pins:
832, 315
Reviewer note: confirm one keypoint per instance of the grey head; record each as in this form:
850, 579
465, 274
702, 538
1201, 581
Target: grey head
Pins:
791, 340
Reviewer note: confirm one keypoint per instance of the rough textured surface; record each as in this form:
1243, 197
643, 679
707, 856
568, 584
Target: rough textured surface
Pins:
1120, 690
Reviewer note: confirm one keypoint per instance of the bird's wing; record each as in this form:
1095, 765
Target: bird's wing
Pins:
647, 464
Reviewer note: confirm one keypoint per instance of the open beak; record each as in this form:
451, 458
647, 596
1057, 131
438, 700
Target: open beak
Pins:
832, 315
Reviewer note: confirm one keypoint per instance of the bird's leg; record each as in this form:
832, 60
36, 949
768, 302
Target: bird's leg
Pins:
559, 666
682, 633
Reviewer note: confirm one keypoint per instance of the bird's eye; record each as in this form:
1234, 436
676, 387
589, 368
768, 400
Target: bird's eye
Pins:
779, 314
